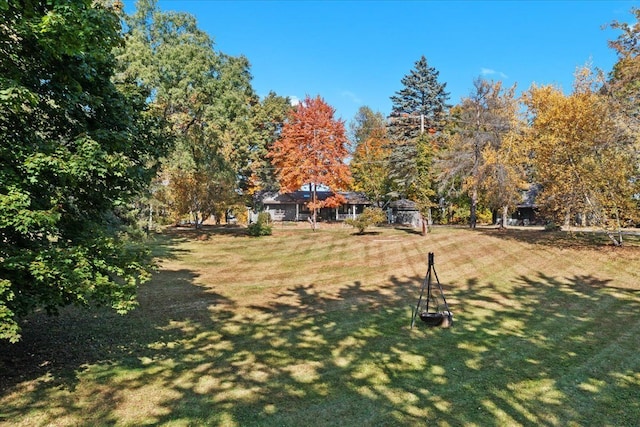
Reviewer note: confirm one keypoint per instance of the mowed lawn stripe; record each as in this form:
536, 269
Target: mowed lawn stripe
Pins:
241, 331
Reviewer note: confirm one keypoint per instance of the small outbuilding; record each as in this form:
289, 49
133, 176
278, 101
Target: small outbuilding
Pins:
404, 212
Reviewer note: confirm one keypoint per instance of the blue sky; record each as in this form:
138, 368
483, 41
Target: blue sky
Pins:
355, 53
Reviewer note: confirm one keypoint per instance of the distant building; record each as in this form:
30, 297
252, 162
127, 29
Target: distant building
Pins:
404, 212
526, 211
293, 206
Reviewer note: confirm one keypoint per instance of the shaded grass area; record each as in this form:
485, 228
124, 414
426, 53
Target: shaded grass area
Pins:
304, 328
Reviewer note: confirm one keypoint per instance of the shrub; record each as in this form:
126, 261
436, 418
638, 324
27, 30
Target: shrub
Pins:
552, 226
261, 227
369, 217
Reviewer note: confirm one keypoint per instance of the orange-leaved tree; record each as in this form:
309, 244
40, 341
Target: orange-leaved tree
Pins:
311, 150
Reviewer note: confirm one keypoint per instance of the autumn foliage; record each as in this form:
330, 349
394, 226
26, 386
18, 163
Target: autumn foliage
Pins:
585, 167
370, 165
311, 151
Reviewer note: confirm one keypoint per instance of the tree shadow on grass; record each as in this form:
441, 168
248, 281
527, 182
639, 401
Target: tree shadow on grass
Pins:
366, 233
409, 230
59, 346
47, 367
557, 333
520, 358
205, 232
166, 246
542, 351
562, 239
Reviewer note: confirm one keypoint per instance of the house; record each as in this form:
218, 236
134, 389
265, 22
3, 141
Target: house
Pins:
293, 206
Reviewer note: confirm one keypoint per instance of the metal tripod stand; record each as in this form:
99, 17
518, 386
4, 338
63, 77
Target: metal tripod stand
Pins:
433, 318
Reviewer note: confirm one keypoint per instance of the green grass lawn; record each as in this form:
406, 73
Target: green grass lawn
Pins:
313, 329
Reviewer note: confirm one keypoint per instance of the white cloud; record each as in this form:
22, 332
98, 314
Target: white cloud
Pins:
351, 96
293, 100
490, 72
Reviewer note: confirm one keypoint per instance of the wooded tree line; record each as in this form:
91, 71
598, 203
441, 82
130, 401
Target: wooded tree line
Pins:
579, 151
109, 121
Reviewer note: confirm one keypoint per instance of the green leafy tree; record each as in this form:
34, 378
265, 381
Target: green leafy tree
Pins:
412, 174
75, 151
268, 118
230, 118
205, 96
364, 125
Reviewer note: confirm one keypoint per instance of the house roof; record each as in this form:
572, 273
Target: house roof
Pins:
404, 205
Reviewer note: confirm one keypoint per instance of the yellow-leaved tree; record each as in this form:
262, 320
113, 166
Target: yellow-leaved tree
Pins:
370, 162
584, 167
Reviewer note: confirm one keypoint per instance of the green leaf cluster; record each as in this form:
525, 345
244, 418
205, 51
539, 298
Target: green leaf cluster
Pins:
221, 128
261, 227
76, 150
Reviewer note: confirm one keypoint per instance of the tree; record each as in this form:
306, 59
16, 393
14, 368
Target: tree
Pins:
198, 185
76, 151
412, 174
370, 162
268, 119
420, 105
483, 158
582, 167
230, 118
417, 115
312, 151
364, 125
623, 84
623, 87
504, 175
205, 96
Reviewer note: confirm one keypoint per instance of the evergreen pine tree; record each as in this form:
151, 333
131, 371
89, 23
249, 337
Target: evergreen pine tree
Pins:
421, 103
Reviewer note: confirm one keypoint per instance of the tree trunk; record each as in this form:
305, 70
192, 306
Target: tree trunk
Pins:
476, 163
474, 206
505, 218
617, 240
313, 225
150, 224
